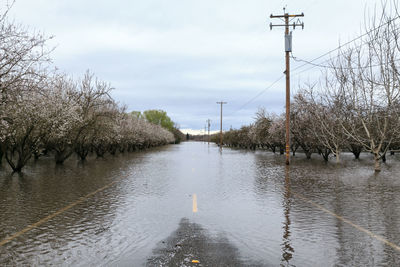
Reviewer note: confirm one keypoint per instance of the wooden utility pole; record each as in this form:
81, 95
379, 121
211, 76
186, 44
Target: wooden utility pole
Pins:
220, 134
208, 124
288, 49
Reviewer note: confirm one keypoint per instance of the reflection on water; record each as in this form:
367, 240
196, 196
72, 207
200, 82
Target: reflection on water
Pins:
287, 249
248, 198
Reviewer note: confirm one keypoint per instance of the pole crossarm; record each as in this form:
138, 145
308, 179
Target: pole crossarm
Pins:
286, 15
294, 25
287, 24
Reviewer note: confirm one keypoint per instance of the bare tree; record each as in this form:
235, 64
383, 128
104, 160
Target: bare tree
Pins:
368, 83
301, 126
261, 128
326, 118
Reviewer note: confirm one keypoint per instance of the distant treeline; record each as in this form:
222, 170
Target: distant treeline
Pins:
355, 106
44, 111
198, 137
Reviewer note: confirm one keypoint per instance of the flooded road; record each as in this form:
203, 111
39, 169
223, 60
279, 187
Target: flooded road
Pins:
172, 205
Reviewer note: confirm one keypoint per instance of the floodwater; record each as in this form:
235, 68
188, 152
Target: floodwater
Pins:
138, 209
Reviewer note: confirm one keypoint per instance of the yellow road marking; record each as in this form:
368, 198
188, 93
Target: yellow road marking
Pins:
80, 200
194, 203
51, 216
360, 228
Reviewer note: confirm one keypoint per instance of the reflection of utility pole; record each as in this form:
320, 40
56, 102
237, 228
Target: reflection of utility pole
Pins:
288, 49
287, 249
208, 124
220, 134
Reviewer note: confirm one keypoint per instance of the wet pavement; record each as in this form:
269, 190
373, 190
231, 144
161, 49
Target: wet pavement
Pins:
191, 245
138, 209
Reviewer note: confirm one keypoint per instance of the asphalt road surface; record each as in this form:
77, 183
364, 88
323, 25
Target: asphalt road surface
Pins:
194, 205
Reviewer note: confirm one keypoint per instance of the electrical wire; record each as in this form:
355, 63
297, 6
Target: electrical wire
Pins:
347, 43
313, 64
333, 67
258, 95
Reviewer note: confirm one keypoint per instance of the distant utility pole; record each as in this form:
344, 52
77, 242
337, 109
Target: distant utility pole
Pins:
208, 124
220, 134
288, 49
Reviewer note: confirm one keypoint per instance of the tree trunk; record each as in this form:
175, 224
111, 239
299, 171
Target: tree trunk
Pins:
82, 151
62, 155
37, 154
337, 154
100, 152
377, 162
22, 159
83, 154
294, 149
325, 154
356, 150
384, 158
113, 149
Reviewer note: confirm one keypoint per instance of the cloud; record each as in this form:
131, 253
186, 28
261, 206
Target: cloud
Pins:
183, 56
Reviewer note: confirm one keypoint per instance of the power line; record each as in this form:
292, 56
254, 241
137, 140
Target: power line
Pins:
349, 42
333, 67
313, 65
258, 95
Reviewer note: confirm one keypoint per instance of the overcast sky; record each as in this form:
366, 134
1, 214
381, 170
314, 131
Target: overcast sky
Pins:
183, 56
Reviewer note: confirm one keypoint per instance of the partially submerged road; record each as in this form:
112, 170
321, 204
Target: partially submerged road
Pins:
194, 205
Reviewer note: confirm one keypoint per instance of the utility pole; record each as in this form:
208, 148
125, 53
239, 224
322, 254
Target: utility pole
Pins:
208, 124
288, 49
220, 134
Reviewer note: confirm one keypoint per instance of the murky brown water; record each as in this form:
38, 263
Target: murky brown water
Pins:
269, 215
